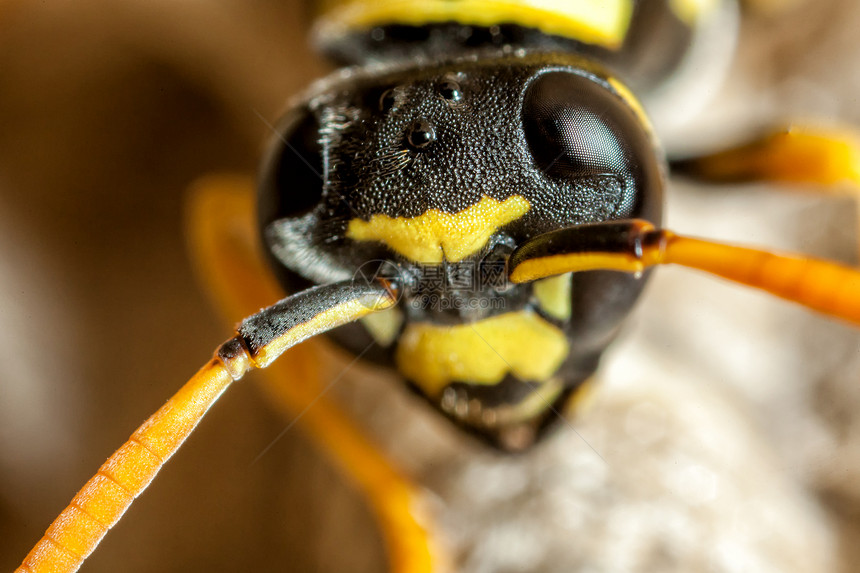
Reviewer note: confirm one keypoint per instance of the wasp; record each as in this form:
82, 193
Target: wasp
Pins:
476, 203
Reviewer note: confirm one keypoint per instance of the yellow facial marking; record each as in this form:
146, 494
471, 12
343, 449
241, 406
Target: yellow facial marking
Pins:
553, 295
601, 22
384, 326
521, 343
435, 235
532, 406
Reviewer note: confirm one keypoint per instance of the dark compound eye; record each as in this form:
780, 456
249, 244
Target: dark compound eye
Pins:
575, 127
291, 182
421, 134
586, 138
450, 90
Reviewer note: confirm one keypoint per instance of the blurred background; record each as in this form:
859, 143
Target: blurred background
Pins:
109, 110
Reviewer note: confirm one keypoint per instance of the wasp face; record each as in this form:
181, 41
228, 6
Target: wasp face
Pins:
434, 175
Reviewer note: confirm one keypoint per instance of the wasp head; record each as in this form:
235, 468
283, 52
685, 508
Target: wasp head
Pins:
433, 174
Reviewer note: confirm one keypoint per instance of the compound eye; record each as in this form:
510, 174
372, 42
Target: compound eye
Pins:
577, 128
291, 180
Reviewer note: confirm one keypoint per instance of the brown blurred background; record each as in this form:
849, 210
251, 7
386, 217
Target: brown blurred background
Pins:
109, 110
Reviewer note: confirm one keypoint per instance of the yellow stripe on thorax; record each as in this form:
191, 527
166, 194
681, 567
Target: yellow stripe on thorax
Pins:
432, 356
601, 22
435, 235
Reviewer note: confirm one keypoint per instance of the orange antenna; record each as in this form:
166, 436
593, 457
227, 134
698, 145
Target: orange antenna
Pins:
635, 245
260, 339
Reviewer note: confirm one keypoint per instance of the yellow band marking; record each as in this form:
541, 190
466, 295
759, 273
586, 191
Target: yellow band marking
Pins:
343, 313
553, 265
435, 235
600, 22
521, 343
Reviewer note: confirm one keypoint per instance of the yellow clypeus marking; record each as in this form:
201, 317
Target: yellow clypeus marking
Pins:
435, 235
553, 296
601, 22
432, 355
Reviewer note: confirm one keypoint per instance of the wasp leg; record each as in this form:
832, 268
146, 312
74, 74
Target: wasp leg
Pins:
635, 245
823, 160
221, 227
826, 158
260, 339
